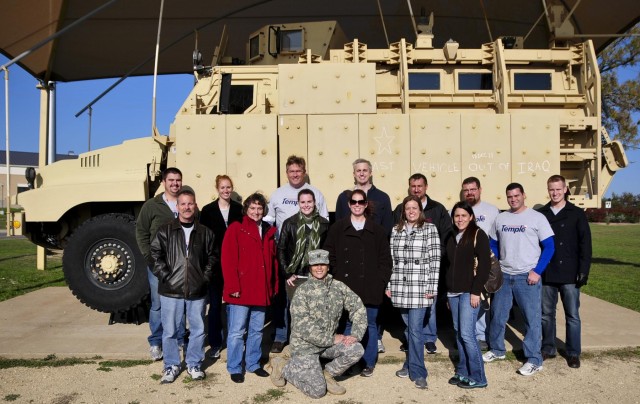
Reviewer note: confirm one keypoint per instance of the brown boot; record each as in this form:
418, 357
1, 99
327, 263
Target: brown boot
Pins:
277, 365
286, 353
332, 386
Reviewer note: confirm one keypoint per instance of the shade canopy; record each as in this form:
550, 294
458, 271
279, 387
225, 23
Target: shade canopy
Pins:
120, 39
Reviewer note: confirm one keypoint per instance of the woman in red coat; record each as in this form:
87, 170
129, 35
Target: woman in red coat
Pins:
250, 271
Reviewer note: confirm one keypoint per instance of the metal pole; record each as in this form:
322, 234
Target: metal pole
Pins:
6, 112
57, 34
155, 70
89, 142
51, 139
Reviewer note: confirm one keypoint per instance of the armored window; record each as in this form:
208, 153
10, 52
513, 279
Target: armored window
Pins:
254, 47
291, 41
475, 81
532, 81
424, 81
240, 98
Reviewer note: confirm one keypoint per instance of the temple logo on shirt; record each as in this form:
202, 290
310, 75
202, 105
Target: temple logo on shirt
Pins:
514, 229
287, 201
481, 218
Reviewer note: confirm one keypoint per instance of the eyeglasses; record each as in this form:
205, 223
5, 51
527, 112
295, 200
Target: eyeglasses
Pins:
357, 202
470, 190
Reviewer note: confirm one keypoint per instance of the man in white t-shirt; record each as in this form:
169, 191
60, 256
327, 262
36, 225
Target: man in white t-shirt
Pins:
523, 241
485, 214
283, 202
282, 205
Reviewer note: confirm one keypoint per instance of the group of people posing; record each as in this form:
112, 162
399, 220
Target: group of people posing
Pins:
325, 284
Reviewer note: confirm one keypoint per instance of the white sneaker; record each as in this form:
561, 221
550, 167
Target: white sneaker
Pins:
380, 346
490, 357
196, 373
155, 352
169, 374
529, 369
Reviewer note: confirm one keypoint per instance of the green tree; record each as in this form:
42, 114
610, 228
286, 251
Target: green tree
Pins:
621, 101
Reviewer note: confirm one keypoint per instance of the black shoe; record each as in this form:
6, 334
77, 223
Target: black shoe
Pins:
277, 347
431, 347
367, 372
403, 348
237, 377
456, 380
483, 345
546, 356
573, 361
260, 372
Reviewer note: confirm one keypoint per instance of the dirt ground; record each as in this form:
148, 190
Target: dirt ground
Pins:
601, 379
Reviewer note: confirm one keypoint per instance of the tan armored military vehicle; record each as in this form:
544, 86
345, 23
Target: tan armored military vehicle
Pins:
500, 112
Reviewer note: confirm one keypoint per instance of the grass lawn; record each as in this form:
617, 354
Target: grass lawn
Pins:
18, 273
615, 267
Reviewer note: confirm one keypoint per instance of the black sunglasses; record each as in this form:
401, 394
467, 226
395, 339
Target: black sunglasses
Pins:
357, 202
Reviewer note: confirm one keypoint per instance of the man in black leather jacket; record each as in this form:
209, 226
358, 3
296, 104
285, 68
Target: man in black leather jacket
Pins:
183, 257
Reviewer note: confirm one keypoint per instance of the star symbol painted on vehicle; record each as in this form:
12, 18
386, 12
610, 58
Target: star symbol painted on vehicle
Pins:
384, 141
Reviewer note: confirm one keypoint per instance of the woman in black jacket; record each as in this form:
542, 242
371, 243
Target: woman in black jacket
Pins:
303, 232
217, 216
360, 258
469, 259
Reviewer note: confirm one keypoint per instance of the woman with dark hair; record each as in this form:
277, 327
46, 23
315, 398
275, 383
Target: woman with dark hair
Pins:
250, 271
415, 249
468, 271
303, 232
359, 255
217, 216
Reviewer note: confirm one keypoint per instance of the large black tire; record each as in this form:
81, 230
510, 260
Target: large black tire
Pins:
103, 265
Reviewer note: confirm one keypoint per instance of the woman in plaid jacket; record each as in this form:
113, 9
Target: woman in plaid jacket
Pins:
415, 250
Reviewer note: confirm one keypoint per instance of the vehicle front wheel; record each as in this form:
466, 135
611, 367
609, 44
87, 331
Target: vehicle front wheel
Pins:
103, 266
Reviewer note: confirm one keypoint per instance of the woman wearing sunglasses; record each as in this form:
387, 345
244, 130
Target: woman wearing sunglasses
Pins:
415, 249
359, 255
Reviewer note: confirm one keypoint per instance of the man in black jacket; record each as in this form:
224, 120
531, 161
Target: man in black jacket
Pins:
183, 257
567, 271
436, 213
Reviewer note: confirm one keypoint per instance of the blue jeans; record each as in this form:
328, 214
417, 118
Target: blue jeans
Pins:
528, 299
430, 329
238, 318
173, 312
470, 364
214, 318
155, 318
414, 319
482, 331
370, 339
570, 296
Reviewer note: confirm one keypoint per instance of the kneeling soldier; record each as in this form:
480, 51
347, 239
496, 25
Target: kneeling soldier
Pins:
316, 309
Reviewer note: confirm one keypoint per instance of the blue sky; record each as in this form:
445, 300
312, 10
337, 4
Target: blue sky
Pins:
125, 113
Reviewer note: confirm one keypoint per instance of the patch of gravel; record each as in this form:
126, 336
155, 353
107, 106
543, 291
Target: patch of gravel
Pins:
605, 379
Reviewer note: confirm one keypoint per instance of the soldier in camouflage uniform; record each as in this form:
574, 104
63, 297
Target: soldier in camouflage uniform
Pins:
316, 309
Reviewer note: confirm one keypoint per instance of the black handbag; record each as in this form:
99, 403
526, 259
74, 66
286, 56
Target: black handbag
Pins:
495, 280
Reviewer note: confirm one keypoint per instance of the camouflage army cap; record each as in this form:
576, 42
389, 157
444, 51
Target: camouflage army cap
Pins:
317, 257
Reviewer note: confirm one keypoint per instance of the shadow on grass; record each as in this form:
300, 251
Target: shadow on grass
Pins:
610, 261
15, 257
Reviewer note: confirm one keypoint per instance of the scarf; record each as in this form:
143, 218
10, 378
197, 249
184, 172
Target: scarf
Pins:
300, 258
